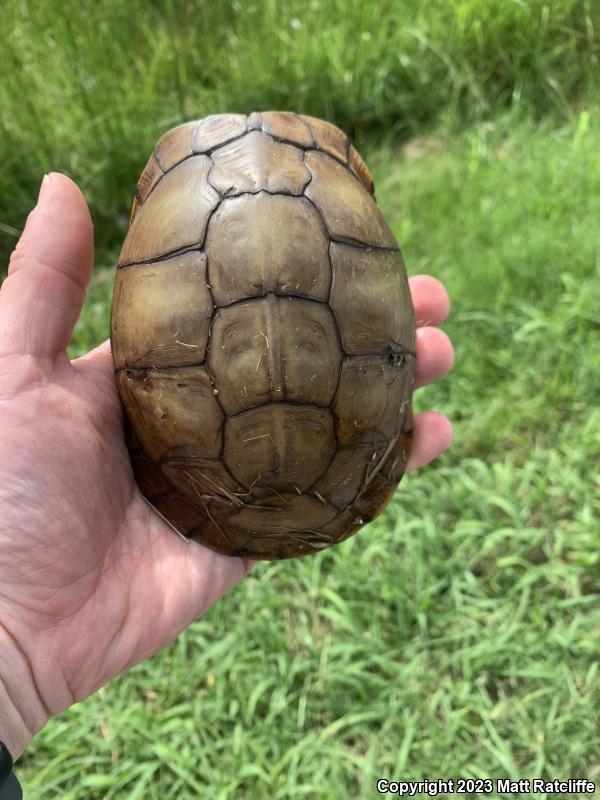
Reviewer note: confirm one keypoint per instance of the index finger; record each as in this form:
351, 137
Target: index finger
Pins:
430, 299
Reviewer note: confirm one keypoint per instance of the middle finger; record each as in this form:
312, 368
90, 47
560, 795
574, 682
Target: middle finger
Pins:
435, 355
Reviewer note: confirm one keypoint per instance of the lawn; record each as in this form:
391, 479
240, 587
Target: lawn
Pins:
456, 636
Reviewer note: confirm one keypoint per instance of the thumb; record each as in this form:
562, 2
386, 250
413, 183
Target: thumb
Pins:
41, 299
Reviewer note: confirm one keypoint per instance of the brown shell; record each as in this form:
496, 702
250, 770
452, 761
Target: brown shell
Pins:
263, 336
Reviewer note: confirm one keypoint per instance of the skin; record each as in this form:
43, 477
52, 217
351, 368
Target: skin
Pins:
91, 580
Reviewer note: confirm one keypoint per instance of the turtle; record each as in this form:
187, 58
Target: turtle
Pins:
263, 336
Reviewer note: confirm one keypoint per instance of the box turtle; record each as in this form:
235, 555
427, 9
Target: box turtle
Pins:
263, 336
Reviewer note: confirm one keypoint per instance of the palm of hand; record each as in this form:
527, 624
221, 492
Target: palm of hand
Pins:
91, 579
94, 577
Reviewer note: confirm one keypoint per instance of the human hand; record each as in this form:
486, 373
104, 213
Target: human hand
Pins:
92, 581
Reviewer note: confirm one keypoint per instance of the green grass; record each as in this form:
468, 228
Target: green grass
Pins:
458, 634
87, 88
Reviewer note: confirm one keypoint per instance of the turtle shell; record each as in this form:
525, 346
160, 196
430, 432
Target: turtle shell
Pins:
263, 336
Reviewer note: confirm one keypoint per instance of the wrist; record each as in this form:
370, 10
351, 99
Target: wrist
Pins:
22, 713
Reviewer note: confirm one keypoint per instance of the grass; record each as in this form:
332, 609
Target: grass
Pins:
458, 634
87, 88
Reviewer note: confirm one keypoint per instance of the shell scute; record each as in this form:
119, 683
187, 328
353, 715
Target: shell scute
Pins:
289, 126
150, 176
168, 408
328, 137
299, 516
205, 481
349, 212
214, 131
371, 402
258, 162
149, 333
175, 145
272, 349
180, 512
174, 216
258, 244
280, 448
360, 169
342, 480
370, 297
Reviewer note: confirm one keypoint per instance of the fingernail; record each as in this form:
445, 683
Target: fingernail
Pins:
43, 186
